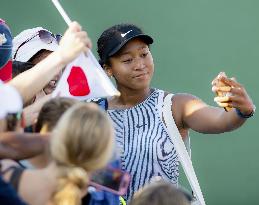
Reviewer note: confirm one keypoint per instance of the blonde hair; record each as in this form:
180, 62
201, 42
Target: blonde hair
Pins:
82, 143
70, 185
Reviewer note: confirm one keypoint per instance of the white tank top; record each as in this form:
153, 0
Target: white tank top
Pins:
145, 147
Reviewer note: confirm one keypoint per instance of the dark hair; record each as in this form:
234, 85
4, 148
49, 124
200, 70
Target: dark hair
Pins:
19, 67
160, 193
52, 111
37, 55
108, 35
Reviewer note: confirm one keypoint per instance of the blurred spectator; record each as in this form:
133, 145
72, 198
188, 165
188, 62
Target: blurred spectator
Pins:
10, 103
82, 142
49, 116
161, 193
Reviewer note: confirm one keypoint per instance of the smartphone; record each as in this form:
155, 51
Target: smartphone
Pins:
110, 179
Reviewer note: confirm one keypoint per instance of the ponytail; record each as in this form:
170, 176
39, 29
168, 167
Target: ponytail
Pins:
71, 184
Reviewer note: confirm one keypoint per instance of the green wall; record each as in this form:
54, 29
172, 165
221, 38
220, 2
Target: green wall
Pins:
194, 40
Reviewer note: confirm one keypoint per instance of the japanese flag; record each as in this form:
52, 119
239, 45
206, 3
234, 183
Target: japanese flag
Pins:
84, 79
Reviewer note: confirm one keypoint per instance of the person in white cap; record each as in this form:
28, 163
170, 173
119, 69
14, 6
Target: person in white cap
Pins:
71, 45
33, 45
38, 45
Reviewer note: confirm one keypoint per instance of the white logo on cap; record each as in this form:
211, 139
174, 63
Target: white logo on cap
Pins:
2, 39
124, 34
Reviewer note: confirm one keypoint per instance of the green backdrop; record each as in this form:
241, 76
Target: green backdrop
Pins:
194, 40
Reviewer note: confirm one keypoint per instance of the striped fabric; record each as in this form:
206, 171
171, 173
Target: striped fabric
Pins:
145, 147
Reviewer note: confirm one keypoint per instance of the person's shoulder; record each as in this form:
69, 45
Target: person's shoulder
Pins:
184, 102
185, 96
179, 96
183, 99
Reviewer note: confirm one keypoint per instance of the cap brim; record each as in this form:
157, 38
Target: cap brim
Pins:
146, 38
28, 50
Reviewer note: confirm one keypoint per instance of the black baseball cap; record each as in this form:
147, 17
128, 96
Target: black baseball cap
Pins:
115, 37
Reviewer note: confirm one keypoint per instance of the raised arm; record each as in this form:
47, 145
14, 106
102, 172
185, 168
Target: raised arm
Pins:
18, 146
71, 45
191, 112
31, 112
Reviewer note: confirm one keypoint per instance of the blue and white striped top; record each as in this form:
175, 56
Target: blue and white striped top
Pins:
145, 147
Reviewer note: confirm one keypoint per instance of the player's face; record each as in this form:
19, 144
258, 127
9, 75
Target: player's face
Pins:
133, 66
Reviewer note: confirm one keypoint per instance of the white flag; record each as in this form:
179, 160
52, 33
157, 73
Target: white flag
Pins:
84, 79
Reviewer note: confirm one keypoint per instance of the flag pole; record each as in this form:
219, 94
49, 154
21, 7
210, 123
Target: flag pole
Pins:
62, 11
100, 72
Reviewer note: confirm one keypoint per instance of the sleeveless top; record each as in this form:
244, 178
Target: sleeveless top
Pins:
145, 147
